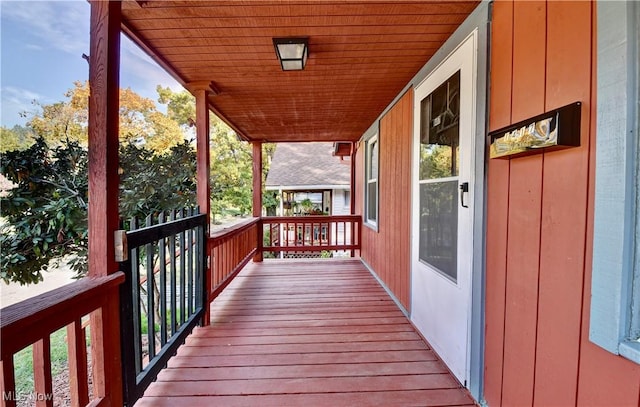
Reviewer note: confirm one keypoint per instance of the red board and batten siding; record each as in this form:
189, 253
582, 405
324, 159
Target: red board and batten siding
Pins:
387, 250
540, 221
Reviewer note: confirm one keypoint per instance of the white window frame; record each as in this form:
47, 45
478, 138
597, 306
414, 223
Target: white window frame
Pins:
615, 287
370, 182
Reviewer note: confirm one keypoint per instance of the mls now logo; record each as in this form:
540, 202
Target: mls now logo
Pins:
28, 397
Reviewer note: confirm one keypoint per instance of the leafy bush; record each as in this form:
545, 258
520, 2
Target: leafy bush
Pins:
46, 211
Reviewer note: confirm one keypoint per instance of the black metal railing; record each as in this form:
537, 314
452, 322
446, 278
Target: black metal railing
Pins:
163, 297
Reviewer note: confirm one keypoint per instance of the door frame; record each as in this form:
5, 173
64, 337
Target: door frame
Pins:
478, 24
447, 293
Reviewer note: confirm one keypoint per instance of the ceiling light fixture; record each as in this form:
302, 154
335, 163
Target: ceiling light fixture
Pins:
292, 52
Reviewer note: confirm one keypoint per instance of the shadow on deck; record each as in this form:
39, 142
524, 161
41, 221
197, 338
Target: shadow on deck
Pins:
305, 333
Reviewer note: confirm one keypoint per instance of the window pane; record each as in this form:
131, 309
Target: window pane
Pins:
439, 226
372, 201
373, 160
439, 131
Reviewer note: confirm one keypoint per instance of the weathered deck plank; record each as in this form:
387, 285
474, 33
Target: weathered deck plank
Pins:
318, 333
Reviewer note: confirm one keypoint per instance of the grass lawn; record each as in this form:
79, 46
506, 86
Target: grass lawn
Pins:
23, 362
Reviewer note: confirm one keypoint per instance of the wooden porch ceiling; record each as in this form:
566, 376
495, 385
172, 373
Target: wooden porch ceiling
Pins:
362, 53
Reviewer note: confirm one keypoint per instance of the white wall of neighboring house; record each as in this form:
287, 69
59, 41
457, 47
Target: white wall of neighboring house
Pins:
341, 202
341, 205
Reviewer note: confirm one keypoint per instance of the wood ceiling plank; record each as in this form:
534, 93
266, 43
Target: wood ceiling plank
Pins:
309, 31
165, 44
324, 48
268, 57
320, 21
164, 10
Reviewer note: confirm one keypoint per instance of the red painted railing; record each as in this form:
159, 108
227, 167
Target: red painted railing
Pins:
230, 250
34, 320
314, 233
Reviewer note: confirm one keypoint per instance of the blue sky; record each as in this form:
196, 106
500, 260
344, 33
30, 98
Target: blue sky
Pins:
41, 47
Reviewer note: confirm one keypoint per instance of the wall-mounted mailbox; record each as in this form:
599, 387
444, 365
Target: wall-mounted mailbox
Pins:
559, 128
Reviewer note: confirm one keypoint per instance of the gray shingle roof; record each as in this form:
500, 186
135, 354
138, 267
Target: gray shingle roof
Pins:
307, 164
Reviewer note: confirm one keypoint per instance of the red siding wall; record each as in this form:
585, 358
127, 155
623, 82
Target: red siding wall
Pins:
540, 220
387, 250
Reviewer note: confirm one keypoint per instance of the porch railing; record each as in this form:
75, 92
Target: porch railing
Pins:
33, 321
230, 250
314, 233
164, 274
162, 299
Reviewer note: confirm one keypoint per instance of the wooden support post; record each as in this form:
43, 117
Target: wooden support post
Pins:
203, 153
104, 79
203, 175
353, 179
352, 202
257, 194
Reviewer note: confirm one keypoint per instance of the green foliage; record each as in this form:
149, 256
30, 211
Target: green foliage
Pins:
45, 214
231, 163
16, 138
181, 106
231, 171
45, 211
436, 161
151, 183
325, 254
271, 201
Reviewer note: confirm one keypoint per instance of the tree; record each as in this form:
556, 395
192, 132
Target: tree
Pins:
181, 106
16, 138
151, 183
46, 211
140, 120
231, 160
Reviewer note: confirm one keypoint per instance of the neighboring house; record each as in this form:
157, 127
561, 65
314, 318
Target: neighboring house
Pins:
301, 171
309, 179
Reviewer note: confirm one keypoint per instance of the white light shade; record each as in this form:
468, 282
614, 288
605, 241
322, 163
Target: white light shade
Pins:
292, 53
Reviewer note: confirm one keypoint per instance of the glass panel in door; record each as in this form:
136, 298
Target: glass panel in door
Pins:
438, 177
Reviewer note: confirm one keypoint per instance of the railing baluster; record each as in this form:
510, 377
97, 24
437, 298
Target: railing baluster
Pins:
190, 266
136, 301
42, 380
225, 258
199, 266
77, 348
183, 279
172, 268
8, 382
151, 326
215, 264
162, 261
316, 235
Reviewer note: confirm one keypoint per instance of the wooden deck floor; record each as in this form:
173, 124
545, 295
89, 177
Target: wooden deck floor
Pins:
300, 333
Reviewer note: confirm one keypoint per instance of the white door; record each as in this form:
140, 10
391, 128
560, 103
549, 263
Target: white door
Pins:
442, 218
